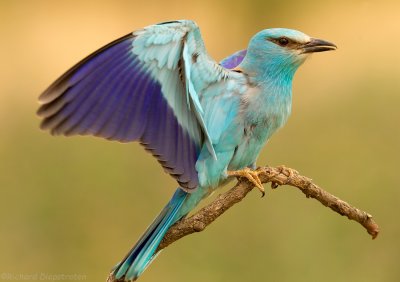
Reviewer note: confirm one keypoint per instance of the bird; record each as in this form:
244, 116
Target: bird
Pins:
205, 122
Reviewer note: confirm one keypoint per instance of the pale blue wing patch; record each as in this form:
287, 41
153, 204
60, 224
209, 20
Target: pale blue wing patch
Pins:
167, 48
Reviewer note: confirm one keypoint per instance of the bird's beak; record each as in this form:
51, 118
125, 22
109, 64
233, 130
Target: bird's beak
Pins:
317, 45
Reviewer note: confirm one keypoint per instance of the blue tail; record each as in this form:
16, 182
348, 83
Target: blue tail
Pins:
143, 252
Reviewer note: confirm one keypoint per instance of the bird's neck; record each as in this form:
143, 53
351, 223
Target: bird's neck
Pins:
273, 100
273, 71
274, 81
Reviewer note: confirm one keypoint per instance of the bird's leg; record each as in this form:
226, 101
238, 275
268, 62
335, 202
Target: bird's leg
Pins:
251, 175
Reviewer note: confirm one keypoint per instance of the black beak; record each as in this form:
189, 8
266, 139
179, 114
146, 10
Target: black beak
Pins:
317, 45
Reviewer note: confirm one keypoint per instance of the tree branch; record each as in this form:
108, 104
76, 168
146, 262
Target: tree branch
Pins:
277, 176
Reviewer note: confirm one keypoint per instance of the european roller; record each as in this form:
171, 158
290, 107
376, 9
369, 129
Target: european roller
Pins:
205, 122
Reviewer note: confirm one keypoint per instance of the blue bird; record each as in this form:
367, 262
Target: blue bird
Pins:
204, 122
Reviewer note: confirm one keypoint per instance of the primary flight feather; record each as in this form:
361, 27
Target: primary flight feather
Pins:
203, 121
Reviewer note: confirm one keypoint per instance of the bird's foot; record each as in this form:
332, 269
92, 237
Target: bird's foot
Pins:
251, 175
289, 172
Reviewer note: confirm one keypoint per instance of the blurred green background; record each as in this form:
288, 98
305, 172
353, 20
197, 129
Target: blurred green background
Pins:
76, 205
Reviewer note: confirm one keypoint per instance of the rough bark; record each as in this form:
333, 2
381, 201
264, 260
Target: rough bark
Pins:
276, 176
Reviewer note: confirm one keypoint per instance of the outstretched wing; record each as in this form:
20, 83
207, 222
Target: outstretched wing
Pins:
139, 87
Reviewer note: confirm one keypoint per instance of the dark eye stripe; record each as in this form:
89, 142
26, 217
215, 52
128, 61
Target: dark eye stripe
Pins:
284, 42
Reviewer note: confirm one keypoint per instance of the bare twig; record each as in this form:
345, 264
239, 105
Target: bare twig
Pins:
277, 176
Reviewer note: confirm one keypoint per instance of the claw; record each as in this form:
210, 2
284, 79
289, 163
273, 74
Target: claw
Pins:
251, 175
274, 185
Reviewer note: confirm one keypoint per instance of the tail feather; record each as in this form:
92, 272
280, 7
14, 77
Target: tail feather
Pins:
143, 253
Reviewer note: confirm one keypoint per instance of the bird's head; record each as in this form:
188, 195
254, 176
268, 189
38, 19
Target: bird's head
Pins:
280, 49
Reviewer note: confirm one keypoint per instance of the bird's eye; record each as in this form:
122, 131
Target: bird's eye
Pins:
283, 41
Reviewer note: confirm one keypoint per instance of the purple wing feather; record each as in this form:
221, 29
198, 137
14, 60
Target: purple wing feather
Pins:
233, 60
